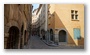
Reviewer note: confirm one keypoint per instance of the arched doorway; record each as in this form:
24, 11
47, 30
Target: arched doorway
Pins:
62, 36
13, 38
51, 35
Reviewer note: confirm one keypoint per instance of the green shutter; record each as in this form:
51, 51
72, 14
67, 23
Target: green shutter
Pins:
76, 33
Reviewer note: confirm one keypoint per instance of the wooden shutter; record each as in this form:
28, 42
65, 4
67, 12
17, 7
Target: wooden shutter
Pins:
76, 33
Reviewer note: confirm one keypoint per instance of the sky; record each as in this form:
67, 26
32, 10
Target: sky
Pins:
35, 6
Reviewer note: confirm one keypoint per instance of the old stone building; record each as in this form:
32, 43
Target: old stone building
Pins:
42, 20
39, 21
34, 21
66, 23
17, 25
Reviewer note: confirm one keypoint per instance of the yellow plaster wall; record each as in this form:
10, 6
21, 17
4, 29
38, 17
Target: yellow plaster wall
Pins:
62, 14
51, 19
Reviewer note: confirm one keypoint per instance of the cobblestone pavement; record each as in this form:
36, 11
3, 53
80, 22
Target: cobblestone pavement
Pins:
36, 43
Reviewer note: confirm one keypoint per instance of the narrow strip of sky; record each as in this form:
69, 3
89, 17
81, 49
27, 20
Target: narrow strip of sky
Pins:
35, 6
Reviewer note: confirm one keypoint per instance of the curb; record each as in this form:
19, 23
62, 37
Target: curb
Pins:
53, 45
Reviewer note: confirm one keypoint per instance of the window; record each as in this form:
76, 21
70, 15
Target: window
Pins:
74, 15
77, 33
76, 12
72, 11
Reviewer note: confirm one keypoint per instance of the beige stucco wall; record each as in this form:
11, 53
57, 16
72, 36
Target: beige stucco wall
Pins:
51, 18
63, 20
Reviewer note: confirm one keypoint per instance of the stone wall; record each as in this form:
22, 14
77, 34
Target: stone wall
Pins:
17, 15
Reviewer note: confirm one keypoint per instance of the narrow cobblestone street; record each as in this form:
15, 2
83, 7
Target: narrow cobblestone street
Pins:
35, 43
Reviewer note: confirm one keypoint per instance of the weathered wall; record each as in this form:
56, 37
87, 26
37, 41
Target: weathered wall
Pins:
16, 15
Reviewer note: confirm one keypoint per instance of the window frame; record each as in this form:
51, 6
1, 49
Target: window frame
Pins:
75, 14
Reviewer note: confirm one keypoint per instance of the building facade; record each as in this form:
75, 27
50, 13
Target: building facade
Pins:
17, 25
42, 20
34, 20
66, 23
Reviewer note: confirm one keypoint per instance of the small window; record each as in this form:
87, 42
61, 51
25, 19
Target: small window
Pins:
76, 12
77, 33
72, 16
76, 16
72, 11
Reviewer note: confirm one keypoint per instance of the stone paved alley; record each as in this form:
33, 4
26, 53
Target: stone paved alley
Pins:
35, 43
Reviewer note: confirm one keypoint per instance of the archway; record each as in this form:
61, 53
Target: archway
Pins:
51, 35
13, 38
62, 36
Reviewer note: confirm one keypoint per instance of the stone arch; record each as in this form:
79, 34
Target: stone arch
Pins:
13, 38
62, 35
12, 23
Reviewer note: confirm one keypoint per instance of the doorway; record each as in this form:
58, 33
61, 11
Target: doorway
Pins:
13, 38
51, 35
62, 36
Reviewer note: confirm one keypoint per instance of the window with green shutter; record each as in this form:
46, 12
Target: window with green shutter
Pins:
77, 33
